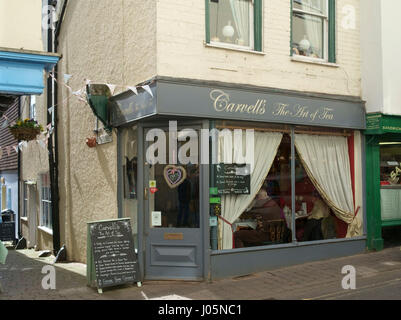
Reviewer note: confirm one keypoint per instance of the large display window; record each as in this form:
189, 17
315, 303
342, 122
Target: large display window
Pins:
300, 189
390, 191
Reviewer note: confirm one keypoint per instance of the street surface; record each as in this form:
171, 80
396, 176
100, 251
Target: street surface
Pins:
378, 276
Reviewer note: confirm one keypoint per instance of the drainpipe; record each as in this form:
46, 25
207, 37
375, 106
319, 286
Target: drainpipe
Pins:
52, 101
18, 219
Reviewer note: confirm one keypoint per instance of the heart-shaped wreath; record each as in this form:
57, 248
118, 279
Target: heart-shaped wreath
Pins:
174, 175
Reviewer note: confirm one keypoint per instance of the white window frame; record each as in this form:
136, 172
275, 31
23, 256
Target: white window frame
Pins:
48, 201
251, 46
25, 200
32, 108
325, 18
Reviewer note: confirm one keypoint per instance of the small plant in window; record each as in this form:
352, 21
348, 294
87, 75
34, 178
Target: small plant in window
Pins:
26, 130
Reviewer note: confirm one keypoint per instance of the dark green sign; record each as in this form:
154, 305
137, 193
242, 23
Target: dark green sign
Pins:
232, 178
377, 123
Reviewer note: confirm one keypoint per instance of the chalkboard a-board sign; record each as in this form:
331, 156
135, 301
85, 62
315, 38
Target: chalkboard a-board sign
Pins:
112, 260
232, 178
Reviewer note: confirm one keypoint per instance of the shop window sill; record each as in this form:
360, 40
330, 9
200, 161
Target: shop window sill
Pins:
46, 230
321, 62
232, 48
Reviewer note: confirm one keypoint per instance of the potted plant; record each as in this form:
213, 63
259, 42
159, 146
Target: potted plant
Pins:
26, 130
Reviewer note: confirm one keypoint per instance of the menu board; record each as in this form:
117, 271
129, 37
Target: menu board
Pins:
232, 178
114, 258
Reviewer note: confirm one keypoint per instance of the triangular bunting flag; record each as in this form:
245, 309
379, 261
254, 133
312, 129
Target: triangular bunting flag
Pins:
147, 88
67, 77
16, 148
133, 89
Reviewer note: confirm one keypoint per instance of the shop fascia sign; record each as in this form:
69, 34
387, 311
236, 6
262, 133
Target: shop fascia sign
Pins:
263, 105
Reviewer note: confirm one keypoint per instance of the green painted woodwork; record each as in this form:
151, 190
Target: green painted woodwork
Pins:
373, 208
258, 23
379, 128
332, 31
378, 124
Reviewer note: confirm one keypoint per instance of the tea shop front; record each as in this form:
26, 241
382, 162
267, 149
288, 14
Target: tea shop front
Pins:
214, 174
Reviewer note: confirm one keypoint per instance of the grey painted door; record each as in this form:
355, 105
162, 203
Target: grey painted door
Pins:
173, 237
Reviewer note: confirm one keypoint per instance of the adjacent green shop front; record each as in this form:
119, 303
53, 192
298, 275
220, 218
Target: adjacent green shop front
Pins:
383, 171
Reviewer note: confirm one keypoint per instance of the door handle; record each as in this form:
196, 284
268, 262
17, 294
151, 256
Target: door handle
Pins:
145, 194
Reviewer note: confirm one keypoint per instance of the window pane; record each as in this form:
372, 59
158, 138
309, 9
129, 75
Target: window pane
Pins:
307, 35
314, 220
267, 221
230, 21
313, 6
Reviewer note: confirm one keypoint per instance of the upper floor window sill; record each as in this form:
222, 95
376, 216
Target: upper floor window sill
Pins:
313, 61
233, 48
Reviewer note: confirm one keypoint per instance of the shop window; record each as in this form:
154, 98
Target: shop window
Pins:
321, 207
313, 29
46, 203
314, 220
267, 220
128, 165
234, 23
390, 173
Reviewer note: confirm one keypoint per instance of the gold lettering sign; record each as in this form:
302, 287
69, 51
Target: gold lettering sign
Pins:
222, 103
173, 236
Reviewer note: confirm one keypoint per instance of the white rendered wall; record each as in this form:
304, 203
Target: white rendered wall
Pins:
380, 56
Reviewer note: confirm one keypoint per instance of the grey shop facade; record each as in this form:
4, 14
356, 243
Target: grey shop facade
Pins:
194, 219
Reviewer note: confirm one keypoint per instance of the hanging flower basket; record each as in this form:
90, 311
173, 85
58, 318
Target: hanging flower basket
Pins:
26, 130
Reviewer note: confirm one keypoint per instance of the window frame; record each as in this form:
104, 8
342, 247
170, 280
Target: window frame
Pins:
32, 107
255, 27
45, 200
329, 32
25, 200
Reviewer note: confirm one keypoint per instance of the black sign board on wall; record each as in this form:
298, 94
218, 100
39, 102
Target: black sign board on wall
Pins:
232, 178
112, 260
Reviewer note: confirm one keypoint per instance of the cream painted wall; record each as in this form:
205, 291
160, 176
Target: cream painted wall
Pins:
181, 51
20, 24
391, 43
34, 162
110, 41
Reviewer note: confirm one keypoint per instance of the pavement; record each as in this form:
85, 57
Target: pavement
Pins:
378, 276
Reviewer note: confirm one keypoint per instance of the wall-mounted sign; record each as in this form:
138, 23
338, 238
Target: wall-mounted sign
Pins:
232, 178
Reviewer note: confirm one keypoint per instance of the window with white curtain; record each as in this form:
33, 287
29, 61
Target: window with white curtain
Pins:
45, 195
310, 28
25, 204
231, 22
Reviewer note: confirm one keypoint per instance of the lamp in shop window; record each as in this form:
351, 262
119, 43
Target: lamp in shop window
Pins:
228, 31
304, 44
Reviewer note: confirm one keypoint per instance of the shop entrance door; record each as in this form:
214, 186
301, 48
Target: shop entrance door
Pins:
173, 237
